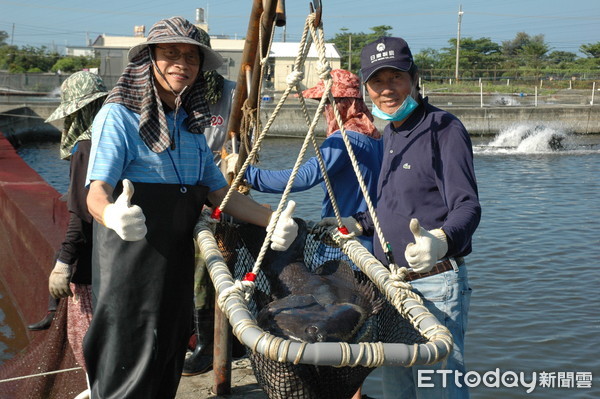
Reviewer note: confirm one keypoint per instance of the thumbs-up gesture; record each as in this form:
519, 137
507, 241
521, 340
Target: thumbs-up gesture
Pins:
428, 248
286, 229
126, 220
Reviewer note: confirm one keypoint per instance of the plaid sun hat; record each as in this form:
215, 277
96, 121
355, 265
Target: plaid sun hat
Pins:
345, 84
179, 30
77, 91
136, 88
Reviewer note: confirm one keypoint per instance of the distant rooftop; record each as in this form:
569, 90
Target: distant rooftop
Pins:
290, 50
117, 41
278, 49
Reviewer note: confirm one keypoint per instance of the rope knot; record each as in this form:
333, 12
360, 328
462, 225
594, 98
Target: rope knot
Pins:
294, 78
398, 277
239, 288
323, 69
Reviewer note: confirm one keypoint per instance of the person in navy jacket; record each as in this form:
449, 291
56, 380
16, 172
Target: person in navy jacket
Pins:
427, 206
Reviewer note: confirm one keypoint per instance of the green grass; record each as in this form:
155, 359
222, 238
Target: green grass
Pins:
487, 88
544, 87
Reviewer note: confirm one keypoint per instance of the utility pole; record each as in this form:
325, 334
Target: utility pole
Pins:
350, 52
460, 14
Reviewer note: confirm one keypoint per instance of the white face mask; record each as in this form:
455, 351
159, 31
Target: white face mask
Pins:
407, 107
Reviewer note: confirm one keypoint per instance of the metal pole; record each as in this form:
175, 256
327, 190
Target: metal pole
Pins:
350, 52
460, 14
593, 90
480, 94
280, 15
221, 353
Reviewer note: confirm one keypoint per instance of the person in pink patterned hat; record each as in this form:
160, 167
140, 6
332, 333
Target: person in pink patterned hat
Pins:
366, 144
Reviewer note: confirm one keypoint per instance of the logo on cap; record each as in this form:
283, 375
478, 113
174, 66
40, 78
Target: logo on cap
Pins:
381, 54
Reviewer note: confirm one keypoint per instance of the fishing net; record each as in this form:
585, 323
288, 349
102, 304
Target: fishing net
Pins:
32, 374
290, 377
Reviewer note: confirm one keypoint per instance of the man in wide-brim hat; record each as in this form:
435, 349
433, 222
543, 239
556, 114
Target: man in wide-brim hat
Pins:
150, 153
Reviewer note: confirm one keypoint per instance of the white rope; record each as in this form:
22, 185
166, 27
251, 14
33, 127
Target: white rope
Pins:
398, 293
324, 70
263, 64
370, 354
40, 374
390, 281
293, 80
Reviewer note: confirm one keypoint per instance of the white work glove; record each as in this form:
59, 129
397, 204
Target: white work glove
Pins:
428, 248
126, 220
349, 222
286, 229
228, 166
59, 280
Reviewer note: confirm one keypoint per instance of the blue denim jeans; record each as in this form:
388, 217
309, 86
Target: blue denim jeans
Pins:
447, 296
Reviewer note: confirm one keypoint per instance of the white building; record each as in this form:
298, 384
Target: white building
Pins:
79, 51
112, 51
283, 56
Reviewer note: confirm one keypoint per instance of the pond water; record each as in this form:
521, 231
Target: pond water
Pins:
534, 267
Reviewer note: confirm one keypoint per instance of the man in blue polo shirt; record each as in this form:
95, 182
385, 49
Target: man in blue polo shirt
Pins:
150, 173
427, 206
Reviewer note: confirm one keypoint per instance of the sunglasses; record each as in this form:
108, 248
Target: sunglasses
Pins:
173, 54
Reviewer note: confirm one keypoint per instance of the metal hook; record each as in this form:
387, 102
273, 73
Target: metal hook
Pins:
318, 10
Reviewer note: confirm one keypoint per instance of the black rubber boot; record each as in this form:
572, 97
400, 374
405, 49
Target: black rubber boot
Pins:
43, 324
201, 360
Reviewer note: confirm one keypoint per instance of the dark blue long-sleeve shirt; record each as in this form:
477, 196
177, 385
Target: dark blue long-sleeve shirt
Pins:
427, 173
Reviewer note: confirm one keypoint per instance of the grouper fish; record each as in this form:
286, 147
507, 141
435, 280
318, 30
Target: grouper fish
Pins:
324, 305
327, 305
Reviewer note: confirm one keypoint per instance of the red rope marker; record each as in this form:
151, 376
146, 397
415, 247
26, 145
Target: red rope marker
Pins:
249, 277
343, 230
216, 214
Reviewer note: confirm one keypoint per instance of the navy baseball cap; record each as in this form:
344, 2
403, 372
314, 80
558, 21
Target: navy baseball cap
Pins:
385, 52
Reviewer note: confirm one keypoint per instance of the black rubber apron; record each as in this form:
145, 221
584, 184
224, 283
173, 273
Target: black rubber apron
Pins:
143, 297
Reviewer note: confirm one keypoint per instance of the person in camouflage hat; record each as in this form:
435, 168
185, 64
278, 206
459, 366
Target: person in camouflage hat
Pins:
82, 95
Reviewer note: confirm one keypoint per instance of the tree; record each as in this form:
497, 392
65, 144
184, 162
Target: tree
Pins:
379, 31
428, 59
3, 37
561, 59
358, 40
28, 57
591, 50
512, 47
524, 51
74, 64
476, 56
557, 57
7, 55
592, 61
534, 53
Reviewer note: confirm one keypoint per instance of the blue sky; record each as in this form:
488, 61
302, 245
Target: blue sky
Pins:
566, 25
